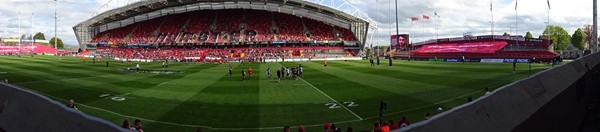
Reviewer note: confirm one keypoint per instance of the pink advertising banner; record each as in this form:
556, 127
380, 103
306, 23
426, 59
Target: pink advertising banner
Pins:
481, 47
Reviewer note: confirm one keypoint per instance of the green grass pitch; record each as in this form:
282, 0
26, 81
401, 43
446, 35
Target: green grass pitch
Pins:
346, 93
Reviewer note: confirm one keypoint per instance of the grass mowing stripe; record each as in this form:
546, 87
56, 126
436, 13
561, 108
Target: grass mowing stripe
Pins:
342, 105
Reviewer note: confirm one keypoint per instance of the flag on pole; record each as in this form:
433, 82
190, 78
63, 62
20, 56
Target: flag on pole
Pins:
414, 18
426, 17
548, 4
516, 3
435, 13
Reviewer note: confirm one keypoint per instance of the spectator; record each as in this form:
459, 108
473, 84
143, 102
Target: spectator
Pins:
6, 81
72, 104
393, 126
301, 128
440, 110
335, 128
349, 129
286, 129
126, 125
385, 127
487, 91
377, 127
469, 99
199, 129
404, 122
427, 116
327, 127
138, 125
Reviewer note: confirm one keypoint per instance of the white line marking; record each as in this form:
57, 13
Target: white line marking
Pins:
261, 128
187, 125
332, 99
329, 97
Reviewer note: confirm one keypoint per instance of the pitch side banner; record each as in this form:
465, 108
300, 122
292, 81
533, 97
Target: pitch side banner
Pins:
482, 47
517, 60
399, 41
492, 60
27, 49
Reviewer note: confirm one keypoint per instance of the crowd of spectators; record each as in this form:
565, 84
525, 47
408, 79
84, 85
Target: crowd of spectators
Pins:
224, 26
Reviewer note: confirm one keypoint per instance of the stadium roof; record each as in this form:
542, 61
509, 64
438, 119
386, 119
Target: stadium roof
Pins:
106, 18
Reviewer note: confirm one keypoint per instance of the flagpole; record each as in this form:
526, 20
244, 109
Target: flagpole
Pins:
19, 33
55, 18
396, 4
492, 11
516, 22
436, 29
32, 33
548, 24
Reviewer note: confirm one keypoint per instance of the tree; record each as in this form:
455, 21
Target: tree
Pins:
588, 30
506, 34
528, 35
59, 43
559, 36
578, 39
39, 36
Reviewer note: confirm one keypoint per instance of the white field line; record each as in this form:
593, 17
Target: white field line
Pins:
260, 128
343, 106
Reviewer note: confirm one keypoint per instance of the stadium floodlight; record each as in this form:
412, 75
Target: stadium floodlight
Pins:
55, 18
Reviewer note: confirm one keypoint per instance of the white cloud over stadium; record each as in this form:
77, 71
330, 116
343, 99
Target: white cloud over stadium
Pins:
456, 16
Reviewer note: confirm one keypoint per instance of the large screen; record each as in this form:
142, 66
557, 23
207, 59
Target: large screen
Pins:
400, 41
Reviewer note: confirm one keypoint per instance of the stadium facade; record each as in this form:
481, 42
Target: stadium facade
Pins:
146, 10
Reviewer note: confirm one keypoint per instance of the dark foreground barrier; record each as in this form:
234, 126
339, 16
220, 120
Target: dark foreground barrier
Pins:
553, 100
25, 111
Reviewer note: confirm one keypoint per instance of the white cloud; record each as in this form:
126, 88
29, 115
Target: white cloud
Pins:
457, 16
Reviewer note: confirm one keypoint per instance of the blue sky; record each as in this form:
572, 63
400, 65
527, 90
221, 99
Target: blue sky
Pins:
457, 16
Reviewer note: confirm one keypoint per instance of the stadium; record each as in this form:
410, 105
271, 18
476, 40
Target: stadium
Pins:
291, 65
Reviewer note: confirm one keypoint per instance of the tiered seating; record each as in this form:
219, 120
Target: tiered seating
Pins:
260, 21
224, 26
290, 27
144, 31
199, 24
346, 34
171, 28
318, 30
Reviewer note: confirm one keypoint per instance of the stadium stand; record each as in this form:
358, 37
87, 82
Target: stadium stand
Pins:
481, 47
224, 26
